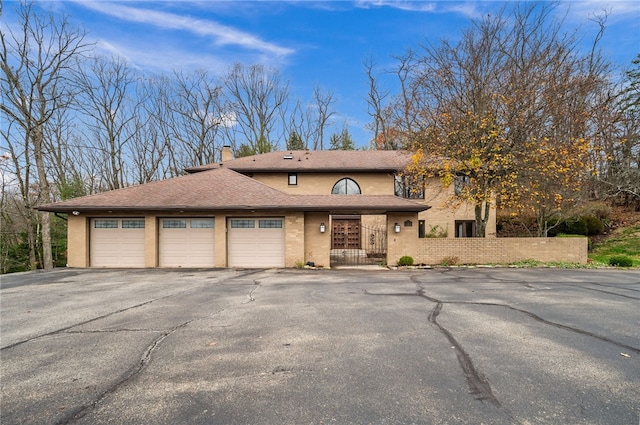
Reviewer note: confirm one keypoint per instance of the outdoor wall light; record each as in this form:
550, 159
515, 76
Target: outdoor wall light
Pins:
75, 212
396, 228
322, 228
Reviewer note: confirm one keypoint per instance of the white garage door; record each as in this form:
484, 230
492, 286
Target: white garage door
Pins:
186, 242
117, 242
256, 242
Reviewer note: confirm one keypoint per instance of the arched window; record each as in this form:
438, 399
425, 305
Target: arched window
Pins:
346, 187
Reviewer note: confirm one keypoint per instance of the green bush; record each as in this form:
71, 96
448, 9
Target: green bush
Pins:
586, 225
405, 261
620, 261
594, 225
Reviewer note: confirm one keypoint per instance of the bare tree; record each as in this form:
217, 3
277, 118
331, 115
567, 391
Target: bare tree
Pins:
109, 104
256, 97
617, 156
323, 102
197, 116
36, 61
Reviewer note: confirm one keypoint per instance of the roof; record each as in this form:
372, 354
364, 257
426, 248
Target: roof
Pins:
316, 161
223, 189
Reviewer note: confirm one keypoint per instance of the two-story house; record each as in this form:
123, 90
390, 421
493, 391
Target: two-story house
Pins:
279, 209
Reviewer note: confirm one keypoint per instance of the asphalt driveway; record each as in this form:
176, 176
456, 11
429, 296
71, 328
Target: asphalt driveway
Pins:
442, 346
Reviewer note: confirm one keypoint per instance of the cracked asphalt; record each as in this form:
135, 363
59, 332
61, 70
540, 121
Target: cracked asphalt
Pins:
441, 346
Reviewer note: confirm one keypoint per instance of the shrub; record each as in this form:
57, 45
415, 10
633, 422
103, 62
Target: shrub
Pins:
620, 261
594, 225
449, 261
586, 225
405, 260
437, 232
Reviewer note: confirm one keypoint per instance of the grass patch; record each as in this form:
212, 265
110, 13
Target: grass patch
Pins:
624, 242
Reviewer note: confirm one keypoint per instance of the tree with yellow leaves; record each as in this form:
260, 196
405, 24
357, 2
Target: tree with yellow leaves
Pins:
508, 109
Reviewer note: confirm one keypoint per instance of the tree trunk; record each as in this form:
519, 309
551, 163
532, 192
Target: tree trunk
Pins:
482, 212
45, 193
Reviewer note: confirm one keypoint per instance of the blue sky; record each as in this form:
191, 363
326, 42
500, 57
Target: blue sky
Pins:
311, 42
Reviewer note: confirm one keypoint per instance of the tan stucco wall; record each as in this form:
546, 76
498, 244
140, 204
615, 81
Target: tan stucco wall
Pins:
294, 239
406, 241
77, 241
322, 183
220, 240
444, 212
150, 241
317, 245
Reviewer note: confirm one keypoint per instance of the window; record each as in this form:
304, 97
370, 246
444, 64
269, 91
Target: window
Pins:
133, 224
270, 224
174, 224
202, 223
411, 187
293, 179
465, 228
346, 186
237, 223
105, 224
422, 229
460, 183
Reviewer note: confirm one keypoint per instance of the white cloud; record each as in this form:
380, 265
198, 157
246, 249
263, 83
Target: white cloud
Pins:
411, 6
222, 35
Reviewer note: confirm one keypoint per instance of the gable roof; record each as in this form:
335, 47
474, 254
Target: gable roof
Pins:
223, 189
316, 161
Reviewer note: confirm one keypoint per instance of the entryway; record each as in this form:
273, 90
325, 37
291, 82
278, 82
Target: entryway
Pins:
353, 243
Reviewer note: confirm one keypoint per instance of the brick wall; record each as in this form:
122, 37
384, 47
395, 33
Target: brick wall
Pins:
497, 250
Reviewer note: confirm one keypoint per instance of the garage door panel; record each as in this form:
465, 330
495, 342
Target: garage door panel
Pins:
187, 242
111, 245
256, 242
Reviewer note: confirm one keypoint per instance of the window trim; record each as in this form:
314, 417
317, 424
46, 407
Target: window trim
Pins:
460, 182
293, 179
346, 181
106, 223
133, 223
409, 187
242, 223
459, 223
174, 223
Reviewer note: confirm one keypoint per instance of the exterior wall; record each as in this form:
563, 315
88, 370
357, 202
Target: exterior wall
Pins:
77, 241
443, 215
500, 250
150, 241
436, 196
322, 183
294, 231
317, 246
220, 240
404, 242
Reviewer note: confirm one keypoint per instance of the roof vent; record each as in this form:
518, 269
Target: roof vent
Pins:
288, 157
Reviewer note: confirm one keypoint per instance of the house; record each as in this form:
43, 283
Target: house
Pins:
278, 209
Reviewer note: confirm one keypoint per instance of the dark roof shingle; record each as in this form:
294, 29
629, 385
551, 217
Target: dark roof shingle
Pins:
316, 161
223, 189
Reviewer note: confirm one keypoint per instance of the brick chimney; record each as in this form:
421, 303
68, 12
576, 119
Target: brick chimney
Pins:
226, 154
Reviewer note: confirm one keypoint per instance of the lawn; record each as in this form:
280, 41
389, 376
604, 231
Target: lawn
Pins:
625, 241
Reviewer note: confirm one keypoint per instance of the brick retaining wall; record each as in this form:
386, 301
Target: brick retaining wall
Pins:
500, 250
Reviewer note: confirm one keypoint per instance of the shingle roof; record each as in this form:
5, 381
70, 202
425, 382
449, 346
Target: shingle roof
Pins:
316, 161
223, 189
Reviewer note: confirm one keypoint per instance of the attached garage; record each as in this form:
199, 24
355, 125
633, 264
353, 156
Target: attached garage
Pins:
116, 242
186, 242
256, 242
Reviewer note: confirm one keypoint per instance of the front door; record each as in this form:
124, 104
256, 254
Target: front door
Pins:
346, 233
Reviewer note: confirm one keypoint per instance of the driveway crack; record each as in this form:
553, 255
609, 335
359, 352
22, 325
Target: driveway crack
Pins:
479, 386
134, 371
